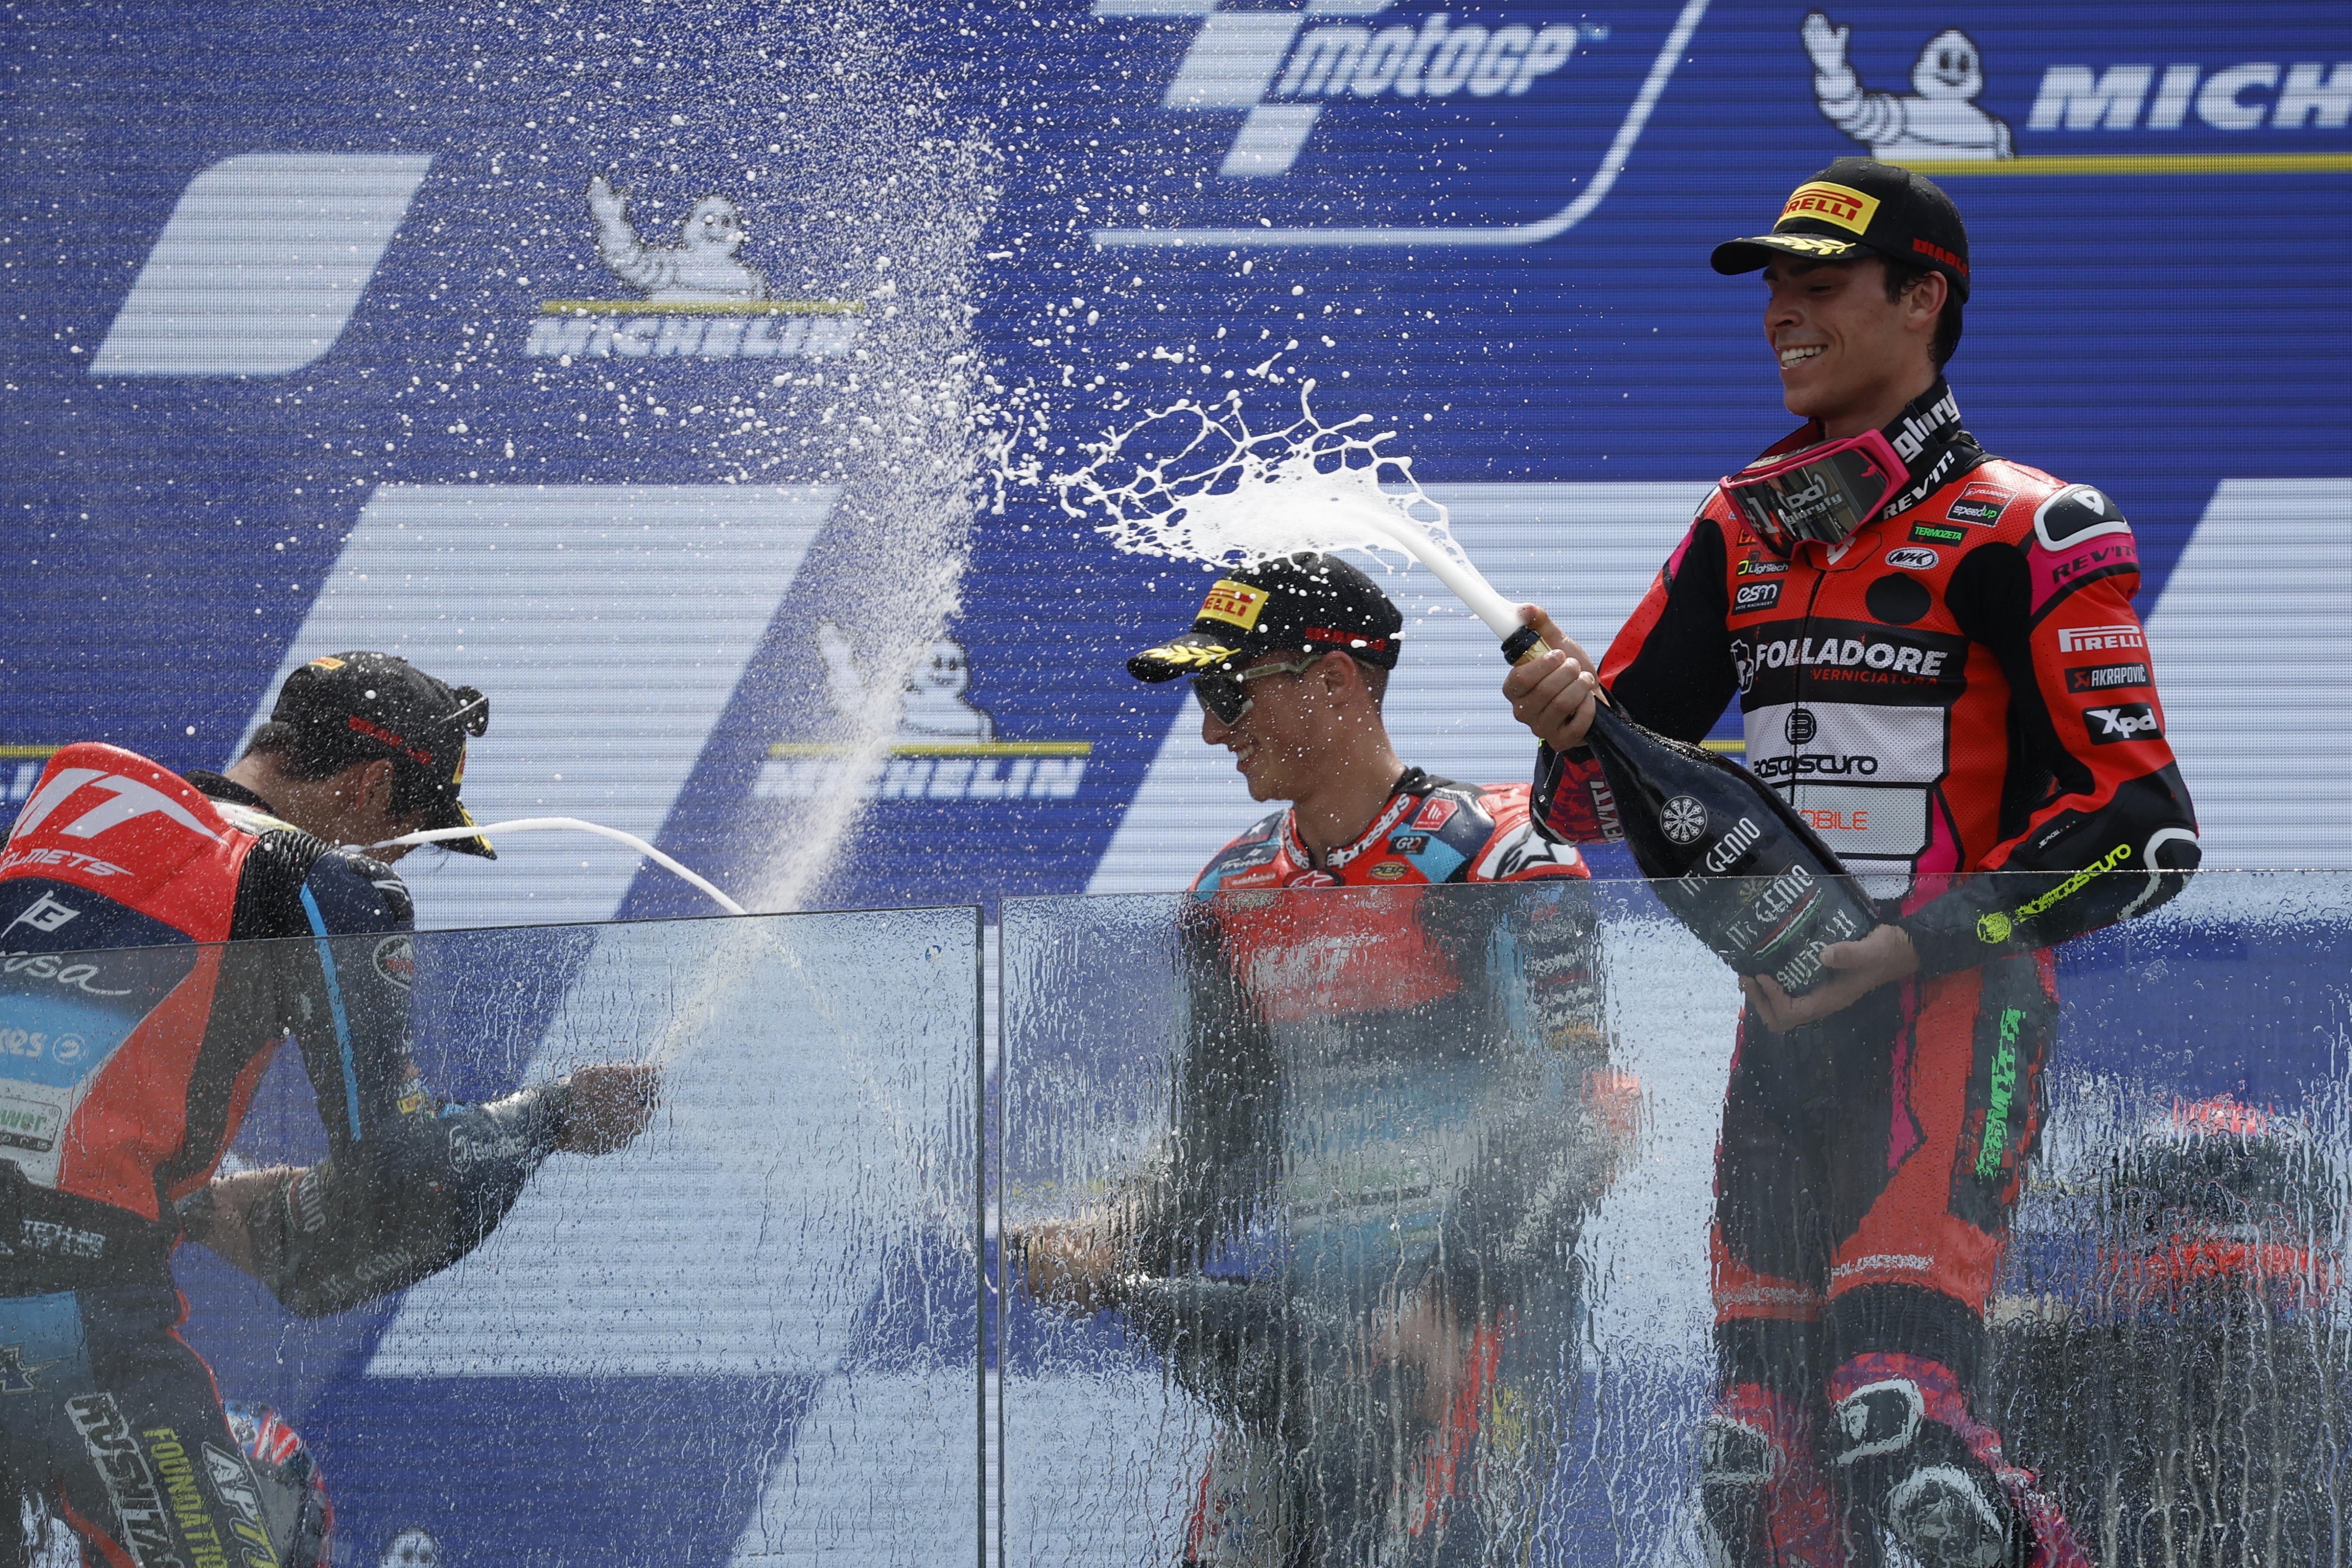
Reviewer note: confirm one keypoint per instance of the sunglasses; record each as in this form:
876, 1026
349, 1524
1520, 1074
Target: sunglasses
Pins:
1227, 696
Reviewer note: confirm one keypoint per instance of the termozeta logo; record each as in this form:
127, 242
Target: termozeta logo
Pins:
1390, 84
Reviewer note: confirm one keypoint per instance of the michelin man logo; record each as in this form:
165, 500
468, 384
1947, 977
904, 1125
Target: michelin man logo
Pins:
933, 705
700, 301
945, 747
936, 707
1937, 119
700, 267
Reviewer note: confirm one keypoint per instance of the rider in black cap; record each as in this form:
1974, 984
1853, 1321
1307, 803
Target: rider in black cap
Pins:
403, 730
1441, 1006
143, 1039
1935, 660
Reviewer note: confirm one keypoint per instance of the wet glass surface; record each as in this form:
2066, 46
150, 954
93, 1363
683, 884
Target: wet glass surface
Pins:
748, 1336
1325, 1226
1324, 1242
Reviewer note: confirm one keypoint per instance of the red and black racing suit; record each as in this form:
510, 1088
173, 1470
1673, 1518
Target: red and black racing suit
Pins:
1963, 688
130, 1046
1385, 1100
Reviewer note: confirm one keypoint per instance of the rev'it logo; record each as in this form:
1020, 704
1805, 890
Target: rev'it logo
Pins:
1284, 72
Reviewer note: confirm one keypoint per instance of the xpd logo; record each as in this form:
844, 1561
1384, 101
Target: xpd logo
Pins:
2125, 721
1284, 70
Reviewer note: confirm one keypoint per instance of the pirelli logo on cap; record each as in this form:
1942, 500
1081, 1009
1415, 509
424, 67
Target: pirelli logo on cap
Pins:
1841, 204
326, 661
1235, 603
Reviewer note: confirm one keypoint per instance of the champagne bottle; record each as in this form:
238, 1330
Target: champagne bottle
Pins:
1727, 854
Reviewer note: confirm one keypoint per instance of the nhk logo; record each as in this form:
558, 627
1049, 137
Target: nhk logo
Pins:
1281, 72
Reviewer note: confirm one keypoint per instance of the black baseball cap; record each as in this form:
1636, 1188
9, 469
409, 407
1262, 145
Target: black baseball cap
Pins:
1304, 603
1858, 207
373, 705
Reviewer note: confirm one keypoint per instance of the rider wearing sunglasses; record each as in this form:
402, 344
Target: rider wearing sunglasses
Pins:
1429, 1003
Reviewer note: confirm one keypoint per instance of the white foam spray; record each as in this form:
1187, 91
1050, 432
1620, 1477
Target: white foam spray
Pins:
1197, 484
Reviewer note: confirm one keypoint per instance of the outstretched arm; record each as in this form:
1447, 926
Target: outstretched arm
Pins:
411, 1182
616, 240
1868, 117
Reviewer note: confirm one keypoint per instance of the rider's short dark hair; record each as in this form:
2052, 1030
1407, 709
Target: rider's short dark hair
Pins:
1376, 681
1900, 278
314, 752
308, 751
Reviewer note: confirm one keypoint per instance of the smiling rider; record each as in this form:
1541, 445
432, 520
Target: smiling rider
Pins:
1935, 660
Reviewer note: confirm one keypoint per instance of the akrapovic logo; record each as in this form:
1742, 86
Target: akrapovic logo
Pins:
2105, 677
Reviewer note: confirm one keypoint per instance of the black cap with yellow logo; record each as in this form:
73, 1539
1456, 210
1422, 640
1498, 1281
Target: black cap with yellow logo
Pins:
357, 707
1289, 604
1856, 208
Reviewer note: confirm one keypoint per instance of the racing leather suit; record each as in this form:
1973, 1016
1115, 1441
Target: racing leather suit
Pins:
1962, 687
133, 1043
1384, 1114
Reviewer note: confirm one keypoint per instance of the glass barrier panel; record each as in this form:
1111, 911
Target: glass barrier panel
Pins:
1382, 1226
712, 1301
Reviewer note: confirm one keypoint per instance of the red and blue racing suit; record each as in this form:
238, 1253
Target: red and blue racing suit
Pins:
138, 1007
1388, 1111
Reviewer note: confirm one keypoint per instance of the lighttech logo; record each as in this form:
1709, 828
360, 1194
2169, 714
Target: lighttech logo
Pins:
1282, 71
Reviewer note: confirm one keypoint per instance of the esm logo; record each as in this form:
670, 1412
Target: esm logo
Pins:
1349, 119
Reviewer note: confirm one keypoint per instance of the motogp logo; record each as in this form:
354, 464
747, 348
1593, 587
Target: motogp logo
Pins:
1349, 118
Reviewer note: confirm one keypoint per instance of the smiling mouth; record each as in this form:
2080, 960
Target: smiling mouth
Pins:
1800, 356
